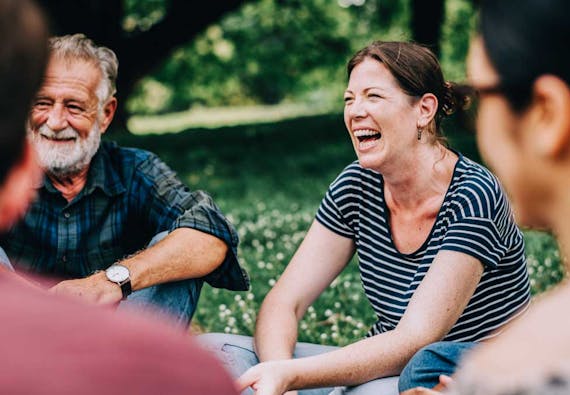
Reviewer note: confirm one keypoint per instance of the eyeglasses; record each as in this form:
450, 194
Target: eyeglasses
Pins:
518, 95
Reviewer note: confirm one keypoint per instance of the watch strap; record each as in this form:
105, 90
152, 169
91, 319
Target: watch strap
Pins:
126, 288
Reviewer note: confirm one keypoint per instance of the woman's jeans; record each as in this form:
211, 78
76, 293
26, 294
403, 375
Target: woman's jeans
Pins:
237, 355
428, 363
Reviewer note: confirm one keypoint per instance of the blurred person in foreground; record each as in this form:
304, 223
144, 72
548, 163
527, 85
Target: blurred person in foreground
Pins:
51, 344
111, 220
440, 256
520, 64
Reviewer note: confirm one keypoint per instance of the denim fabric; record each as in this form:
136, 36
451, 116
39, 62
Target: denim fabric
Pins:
176, 301
428, 363
4, 261
237, 355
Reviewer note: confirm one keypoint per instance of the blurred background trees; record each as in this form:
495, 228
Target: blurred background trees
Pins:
176, 54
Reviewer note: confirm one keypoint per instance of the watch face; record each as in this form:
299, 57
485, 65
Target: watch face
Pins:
117, 273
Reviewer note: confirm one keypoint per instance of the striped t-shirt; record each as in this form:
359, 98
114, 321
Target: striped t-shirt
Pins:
475, 218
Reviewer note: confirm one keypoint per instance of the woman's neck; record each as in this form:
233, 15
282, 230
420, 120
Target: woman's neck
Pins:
426, 176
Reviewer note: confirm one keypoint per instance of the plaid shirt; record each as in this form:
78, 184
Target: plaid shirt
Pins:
129, 197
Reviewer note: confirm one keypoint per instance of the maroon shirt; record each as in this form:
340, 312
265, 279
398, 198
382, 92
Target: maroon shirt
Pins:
53, 345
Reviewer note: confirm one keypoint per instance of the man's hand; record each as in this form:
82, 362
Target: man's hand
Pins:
94, 289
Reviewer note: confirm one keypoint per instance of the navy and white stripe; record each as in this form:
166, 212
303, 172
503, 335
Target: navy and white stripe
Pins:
475, 218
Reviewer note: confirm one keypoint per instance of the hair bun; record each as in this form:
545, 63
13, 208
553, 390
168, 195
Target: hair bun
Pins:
456, 97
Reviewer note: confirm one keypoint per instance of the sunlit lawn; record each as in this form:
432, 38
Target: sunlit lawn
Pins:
269, 179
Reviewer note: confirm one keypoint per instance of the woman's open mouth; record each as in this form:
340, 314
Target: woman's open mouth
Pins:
367, 138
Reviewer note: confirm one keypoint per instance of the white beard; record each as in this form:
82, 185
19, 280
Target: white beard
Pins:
63, 159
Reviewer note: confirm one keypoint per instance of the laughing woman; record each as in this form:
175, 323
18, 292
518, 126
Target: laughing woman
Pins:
440, 256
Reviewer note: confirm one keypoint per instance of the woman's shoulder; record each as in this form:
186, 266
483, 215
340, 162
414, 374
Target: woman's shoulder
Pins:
478, 188
353, 173
354, 181
477, 179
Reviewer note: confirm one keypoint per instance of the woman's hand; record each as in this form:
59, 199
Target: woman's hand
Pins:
266, 378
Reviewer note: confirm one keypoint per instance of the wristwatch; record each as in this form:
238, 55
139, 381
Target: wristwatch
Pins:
121, 276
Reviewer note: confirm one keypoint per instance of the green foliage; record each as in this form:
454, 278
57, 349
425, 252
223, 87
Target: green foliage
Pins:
269, 180
544, 263
273, 51
140, 15
268, 52
456, 32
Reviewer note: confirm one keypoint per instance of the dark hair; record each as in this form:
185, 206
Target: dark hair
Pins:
23, 57
525, 39
418, 72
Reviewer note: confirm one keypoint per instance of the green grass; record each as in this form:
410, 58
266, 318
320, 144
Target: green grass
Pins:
269, 178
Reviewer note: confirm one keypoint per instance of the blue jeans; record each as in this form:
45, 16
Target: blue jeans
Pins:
175, 301
4, 261
428, 363
237, 355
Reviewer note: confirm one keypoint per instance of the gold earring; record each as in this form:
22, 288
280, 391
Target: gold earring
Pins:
419, 133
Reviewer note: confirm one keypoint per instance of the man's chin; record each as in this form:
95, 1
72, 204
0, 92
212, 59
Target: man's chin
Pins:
63, 172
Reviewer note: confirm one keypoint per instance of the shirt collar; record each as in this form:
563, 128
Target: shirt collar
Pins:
102, 174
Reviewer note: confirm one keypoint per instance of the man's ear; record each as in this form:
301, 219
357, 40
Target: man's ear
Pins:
428, 107
19, 187
550, 115
107, 114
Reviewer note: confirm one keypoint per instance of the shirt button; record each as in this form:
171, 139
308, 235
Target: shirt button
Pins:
66, 214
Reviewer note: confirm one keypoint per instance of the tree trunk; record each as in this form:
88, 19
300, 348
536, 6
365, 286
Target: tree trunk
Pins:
427, 19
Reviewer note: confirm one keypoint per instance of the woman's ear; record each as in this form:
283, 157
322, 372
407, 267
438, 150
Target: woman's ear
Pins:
428, 107
550, 115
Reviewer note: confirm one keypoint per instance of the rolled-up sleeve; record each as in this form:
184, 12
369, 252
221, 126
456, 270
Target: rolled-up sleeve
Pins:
169, 205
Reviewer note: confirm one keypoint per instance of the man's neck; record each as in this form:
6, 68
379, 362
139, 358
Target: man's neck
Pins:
71, 185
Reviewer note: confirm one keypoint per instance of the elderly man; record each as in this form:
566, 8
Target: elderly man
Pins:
50, 344
102, 205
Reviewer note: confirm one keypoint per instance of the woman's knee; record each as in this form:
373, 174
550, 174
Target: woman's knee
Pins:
235, 351
427, 364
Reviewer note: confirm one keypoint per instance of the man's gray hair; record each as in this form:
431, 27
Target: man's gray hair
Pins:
79, 47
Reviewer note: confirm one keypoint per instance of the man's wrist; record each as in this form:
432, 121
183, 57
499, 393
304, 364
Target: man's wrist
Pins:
121, 276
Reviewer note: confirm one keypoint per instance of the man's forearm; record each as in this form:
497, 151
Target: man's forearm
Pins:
184, 253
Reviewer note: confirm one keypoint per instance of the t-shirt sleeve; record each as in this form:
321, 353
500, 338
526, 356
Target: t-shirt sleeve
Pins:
477, 237
340, 192
168, 204
484, 225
